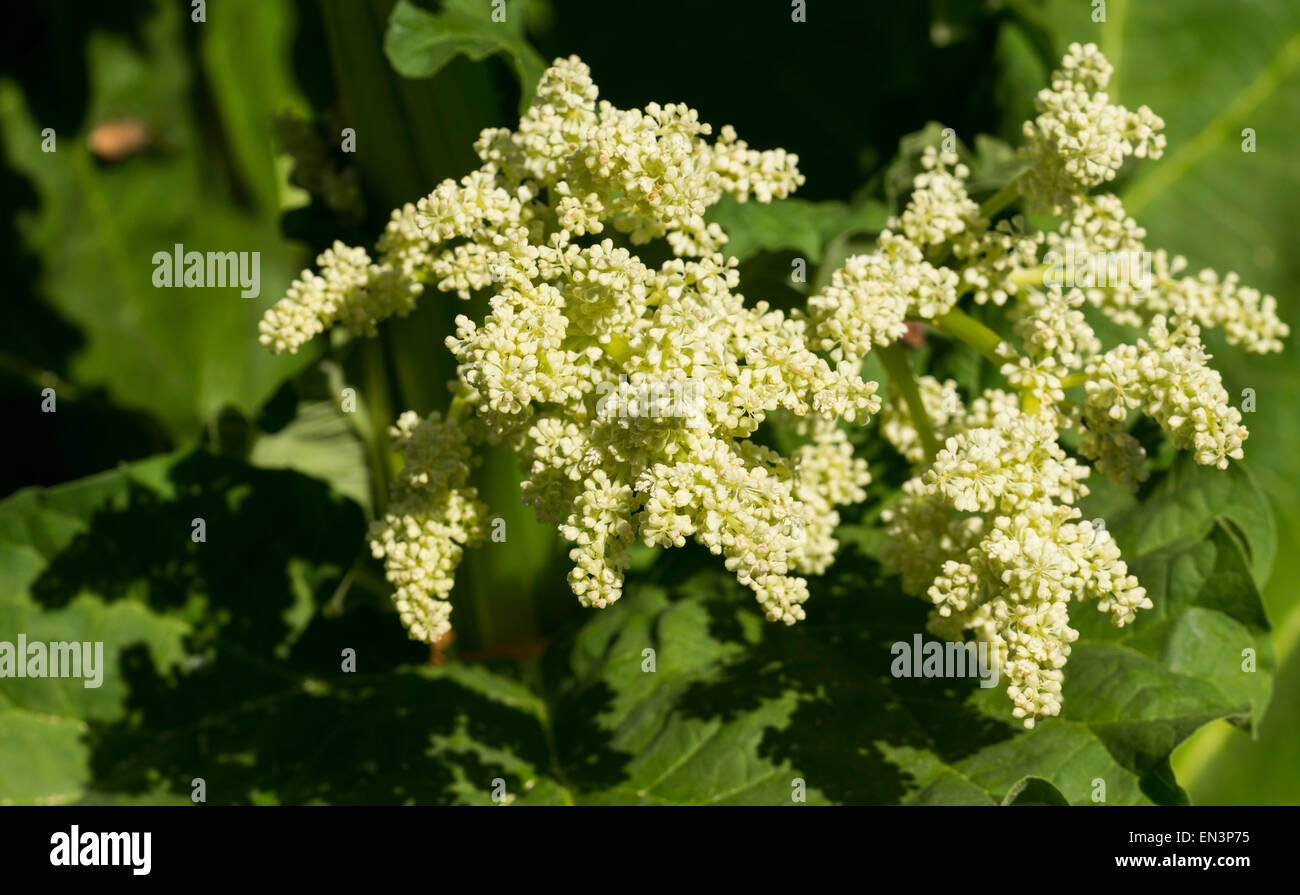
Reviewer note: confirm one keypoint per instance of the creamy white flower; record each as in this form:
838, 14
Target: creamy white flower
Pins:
1080, 138
432, 517
987, 530
1007, 573
1170, 379
1051, 322
939, 208
632, 389
993, 258
871, 295
1100, 231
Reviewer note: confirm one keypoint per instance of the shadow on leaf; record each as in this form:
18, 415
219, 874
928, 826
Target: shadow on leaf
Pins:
262, 710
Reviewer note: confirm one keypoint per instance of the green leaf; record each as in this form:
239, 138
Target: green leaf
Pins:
224, 661
180, 354
1191, 500
1148, 686
319, 442
1201, 543
737, 710
45, 720
792, 224
1034, 791
419, 44
224, 658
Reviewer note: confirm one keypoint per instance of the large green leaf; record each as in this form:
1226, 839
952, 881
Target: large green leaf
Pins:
420, 43
177, 353
43, 721
224, 657
737, 709
1191, 500
322, 443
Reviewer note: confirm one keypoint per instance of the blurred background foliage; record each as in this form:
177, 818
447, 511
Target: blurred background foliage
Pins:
169, 409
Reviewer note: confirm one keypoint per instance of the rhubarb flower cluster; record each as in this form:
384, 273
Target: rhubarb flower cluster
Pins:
1080, 139
630, 390
988, 530
989, 533
634, 391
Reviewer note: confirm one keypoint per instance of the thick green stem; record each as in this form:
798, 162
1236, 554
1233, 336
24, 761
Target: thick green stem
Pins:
1074, 379
1030, 276
903, 381
1000, 200
960, 325
459, 409
378, 406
